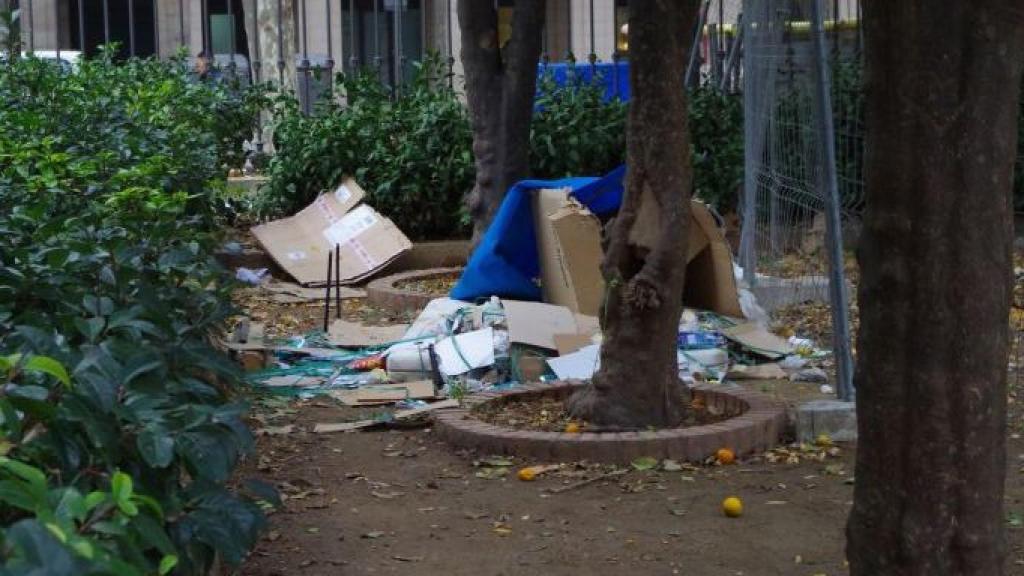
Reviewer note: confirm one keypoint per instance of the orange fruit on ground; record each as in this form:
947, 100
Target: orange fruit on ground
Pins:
732, 507
572, 428
528, 474
725, 456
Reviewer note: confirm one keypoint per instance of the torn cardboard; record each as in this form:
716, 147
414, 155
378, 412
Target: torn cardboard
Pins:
536, 323
758, 340
569, 241
770, 371
569, 247
710, 280
385, 393
354, 335
300, 243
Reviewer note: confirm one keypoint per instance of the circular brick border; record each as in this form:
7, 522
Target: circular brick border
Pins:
383, 293
757, 428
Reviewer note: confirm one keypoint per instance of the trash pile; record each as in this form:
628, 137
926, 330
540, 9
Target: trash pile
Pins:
546, 231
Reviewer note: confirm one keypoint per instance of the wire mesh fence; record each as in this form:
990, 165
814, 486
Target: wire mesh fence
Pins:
803, 138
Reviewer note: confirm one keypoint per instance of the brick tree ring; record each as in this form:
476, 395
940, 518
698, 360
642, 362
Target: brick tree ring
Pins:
386, 294
758, 427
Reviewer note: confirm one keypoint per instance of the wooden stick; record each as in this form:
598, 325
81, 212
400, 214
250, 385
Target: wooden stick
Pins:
588, 481
337, 281
327, 297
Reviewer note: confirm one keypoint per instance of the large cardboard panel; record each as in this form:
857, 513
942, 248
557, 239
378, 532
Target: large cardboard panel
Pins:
710, 280
578, 237
300, 244
546, 202
536, 324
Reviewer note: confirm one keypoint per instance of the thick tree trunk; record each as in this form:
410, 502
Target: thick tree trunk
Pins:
936, 259
638, 384
500, 87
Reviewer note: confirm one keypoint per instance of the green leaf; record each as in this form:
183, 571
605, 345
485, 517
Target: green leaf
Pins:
156, 447
645, 463
121, 487
167, 563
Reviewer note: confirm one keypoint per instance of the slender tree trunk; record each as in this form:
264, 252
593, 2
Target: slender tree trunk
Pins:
638, 384
500, 87
943, 79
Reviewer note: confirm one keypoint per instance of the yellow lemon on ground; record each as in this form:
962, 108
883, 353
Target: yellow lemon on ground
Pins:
725, 456
732, 507
572, 428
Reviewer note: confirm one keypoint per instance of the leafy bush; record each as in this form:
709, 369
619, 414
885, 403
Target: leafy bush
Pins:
716, 132
575, 132
412, 153
117, 463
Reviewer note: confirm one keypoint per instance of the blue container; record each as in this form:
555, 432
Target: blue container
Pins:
700, 340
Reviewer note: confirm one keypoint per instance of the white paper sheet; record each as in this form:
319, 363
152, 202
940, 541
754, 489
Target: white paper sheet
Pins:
580, 365
475, 350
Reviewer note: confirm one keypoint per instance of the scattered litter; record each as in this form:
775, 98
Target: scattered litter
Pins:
826, 389
580, 365
354, 335
464, 352
793, 362
399, 415
815, 375
758, 340
250, 276
769, 371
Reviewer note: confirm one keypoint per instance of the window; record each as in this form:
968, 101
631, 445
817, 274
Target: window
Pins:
622, 26
368, 33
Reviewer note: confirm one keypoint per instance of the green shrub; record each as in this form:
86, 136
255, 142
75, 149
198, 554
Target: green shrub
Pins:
575, 132
716, 132
118, 432
412, 152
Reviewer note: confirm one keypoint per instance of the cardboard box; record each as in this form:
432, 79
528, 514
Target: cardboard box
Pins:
710, 280
300, 243
569, 243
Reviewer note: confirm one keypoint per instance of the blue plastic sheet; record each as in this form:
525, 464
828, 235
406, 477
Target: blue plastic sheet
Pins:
507, 263
613, 76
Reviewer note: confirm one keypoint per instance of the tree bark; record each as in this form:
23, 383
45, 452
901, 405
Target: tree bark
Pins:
500, 86
638, 383
943, 81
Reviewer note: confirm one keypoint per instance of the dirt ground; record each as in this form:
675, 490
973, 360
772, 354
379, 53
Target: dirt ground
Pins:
400, 502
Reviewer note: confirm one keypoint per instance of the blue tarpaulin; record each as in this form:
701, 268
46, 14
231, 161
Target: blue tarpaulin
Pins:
614, 76
507, 262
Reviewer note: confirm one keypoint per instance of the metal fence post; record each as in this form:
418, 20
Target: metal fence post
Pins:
451, 51
56, 28
693, 68
156, 28
106, 23
81, 26
280, 46
31, 30
306, 108
131, 28
833, 222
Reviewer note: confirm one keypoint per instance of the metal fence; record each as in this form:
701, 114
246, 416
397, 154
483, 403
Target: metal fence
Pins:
803, 157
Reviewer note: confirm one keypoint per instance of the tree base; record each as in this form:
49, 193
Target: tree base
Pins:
615, 406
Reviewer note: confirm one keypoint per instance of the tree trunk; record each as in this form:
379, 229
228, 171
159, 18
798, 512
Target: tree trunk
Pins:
638, 384
500, 87
936, 257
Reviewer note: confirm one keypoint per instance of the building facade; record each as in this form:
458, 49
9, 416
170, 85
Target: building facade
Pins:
273, 39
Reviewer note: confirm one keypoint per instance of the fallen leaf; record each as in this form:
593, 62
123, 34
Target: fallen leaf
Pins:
645, 463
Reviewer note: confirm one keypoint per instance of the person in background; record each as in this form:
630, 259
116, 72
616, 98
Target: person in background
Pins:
206, 68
